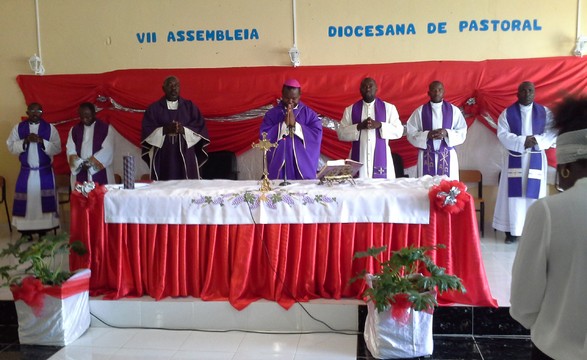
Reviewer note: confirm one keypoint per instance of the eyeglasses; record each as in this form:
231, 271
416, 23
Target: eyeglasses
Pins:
37, 111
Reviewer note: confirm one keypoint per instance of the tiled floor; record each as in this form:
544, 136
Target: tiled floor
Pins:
460, 332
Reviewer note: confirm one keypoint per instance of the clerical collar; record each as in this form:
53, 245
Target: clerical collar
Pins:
31, 122
172, 105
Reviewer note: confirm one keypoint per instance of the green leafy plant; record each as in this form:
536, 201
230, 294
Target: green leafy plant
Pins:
42, 259
401, 276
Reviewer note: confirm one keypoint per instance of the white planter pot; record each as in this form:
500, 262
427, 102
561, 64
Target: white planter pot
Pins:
387, 338
64, 316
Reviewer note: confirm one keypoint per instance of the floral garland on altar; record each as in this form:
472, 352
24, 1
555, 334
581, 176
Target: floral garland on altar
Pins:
270, 199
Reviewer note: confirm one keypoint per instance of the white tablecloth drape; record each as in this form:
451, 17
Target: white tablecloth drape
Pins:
240, 202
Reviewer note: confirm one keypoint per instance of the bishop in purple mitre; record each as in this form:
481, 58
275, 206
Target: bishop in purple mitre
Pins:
298, 131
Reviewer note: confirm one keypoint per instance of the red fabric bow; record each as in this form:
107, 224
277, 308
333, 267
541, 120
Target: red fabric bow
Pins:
400, 309
449, 196
31, 292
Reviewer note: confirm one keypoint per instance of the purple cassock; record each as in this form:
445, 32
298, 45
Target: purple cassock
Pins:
298, 158
45, 169
514, 118
100, 133
174, 160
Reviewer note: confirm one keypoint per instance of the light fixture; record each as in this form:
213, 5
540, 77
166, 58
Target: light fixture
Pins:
36, 65
294, 56
581, 46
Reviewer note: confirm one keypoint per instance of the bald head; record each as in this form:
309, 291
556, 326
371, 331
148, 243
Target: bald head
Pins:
368, 89
171, 88
436, 91
526, 92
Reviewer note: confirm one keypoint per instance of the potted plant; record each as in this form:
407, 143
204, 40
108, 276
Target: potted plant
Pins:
52, 303
401, 296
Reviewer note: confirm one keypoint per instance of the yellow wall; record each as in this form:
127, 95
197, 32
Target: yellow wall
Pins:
97, 36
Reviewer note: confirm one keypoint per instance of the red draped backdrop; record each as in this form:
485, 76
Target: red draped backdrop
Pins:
482, 89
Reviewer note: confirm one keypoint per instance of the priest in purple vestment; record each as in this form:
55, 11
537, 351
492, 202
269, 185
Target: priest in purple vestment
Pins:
525, 130
370, 123
35, 141
435, 128
298, 131
174, 136
90, 148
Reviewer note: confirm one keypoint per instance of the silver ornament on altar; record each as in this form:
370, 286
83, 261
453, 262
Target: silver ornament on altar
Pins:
450, 197
85, 188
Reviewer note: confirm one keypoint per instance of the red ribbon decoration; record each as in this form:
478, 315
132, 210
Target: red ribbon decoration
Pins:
400, 309
33, 292
449, 196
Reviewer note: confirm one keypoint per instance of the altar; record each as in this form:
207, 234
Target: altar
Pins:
226, 240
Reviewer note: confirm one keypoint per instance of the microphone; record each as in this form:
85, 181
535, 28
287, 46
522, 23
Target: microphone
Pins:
284, 182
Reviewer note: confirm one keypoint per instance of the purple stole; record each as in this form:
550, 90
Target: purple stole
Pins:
429, 163
514, 118
380, 158
100, 133
48, 199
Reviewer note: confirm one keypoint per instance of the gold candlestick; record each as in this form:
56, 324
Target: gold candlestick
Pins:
265, 145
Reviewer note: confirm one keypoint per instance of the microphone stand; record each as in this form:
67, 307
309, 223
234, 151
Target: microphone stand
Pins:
284, 182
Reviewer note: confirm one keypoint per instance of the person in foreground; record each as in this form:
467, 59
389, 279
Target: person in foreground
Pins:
435, 128
370, 123
298, 129
174, 136
548, 279
525, 131
90, 148
35, 141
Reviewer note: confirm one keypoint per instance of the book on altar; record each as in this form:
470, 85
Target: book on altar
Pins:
339, 167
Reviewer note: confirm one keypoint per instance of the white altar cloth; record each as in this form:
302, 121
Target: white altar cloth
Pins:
402, 200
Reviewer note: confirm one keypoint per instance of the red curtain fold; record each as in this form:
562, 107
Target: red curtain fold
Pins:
244, 263
222, 92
